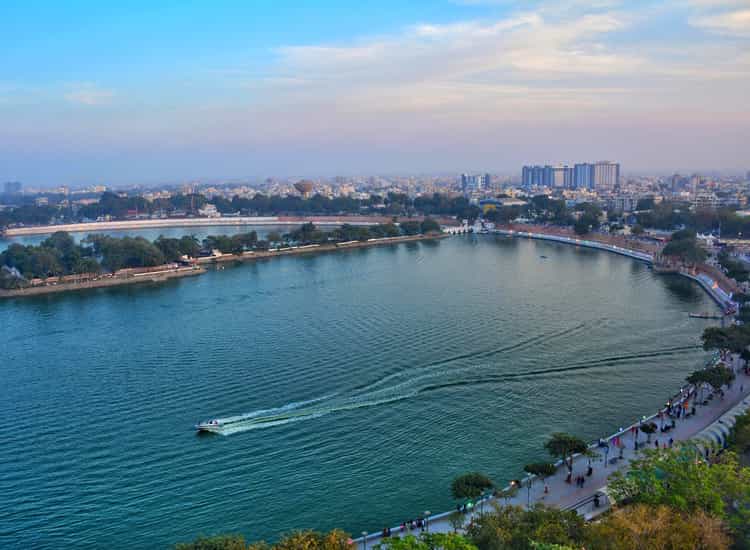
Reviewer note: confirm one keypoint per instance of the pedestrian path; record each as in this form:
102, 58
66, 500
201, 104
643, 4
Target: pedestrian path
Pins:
562, 494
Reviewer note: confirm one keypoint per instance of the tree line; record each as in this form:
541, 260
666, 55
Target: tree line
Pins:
59, 254
119, 206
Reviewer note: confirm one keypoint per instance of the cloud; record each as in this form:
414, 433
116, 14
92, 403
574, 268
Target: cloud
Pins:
87, 93
732, 22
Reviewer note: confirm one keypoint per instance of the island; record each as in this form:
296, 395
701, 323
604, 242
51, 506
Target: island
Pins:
59, 264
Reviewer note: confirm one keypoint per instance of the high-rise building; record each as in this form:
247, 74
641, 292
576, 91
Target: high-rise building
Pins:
532, 176
559, 175
13, 187
603, 174
606, 174
583, 176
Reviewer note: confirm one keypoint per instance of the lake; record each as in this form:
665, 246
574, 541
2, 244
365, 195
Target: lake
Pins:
371, 378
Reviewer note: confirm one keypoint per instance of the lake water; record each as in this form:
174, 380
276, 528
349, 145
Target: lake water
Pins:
383, 372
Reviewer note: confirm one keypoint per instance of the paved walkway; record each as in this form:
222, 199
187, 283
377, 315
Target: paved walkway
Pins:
568, 495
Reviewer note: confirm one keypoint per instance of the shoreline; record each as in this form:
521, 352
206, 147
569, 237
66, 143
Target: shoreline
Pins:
167, 273
699, 430
105, 282
441, 522
168, 223
722, 298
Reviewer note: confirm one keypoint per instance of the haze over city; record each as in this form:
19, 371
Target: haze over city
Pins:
95, 92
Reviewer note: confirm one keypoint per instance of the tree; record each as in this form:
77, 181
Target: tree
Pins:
220, 542
430, 226
170, 248
541, 470
684, 247
642, 526
274, 237
676, 478
312, 540
432, 541
564, 446
410, 228
515, 528
637, 230
739, 438
581, 227
470, 485
300, 540
189, 246
716, 376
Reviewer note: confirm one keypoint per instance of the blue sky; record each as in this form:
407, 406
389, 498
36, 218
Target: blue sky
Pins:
124, 92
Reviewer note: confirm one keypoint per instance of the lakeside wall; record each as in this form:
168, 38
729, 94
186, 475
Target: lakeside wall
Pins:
642, 256
155, 275
712, 288
105, 282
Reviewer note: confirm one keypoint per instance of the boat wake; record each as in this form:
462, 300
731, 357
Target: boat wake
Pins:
411, 383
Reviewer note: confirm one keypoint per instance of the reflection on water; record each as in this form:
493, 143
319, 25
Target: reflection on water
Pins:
682, 287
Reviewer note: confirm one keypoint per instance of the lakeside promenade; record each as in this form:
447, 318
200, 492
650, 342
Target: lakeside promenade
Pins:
568, 496
716, 285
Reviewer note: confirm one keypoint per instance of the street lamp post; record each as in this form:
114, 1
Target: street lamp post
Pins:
364, 540
427, 521
606, 455
528, 492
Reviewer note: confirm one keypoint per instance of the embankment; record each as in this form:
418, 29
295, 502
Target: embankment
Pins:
105, 282
315, 248
635, 254
154, 275
712, 286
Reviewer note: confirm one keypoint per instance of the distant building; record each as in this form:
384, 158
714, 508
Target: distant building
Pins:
622, 204
606, 174
13, 187
583, 176
580, 176
705, 201
559, 177
209, 211
41, 201
473, 182
532, 176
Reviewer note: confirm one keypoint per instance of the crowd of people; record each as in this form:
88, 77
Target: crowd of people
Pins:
407, 526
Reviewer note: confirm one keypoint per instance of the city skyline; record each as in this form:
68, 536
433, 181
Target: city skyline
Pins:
137, 93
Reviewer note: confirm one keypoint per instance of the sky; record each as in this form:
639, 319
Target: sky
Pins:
150, 91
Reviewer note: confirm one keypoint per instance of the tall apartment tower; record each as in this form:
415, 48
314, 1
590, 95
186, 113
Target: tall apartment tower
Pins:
583, 176
606, 174
532, 176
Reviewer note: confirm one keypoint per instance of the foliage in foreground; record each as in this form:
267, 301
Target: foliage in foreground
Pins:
640, 526
512, 527
301, 540
679, 479
437, 541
